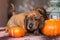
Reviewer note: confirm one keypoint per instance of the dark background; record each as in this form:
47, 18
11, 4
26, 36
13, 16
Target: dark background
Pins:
20, 6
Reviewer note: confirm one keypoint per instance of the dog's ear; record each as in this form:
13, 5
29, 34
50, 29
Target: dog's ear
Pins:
25, 21
41, 22
42, 11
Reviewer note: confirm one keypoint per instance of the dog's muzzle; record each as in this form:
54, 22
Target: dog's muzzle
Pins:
30, 25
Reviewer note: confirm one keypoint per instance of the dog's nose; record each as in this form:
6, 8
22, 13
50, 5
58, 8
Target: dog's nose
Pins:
31, 25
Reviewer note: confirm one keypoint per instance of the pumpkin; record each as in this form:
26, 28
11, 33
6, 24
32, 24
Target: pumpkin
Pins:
51, 28
16, 32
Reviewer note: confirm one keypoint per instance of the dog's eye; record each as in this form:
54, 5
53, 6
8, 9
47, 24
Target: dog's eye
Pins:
36, 19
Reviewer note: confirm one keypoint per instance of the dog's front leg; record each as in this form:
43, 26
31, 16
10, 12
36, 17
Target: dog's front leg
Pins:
11, 22
36, 32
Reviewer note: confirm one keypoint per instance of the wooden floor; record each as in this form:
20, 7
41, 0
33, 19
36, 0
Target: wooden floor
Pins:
31, 37
4, 36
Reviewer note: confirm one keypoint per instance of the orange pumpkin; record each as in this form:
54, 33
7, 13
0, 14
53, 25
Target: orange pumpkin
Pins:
51, 28
16, 32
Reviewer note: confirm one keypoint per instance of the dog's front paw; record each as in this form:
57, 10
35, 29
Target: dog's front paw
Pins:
36, 32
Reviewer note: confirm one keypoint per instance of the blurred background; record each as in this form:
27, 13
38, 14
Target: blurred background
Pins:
19, 5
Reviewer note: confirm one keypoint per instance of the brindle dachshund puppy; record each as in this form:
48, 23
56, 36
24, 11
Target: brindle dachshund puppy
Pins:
31, 21
35, 23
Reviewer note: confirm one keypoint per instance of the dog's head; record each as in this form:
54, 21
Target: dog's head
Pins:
33, 20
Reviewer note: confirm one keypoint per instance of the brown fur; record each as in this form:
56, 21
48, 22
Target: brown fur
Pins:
35, 16
18, 19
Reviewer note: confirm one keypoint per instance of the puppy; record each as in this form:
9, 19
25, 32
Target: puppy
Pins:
31, 21
35, 23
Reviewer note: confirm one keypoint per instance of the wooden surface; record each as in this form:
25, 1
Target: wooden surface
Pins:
25, 38
5, 36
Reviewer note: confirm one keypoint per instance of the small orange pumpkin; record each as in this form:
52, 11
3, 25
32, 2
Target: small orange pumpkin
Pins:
16, 32
51, 28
